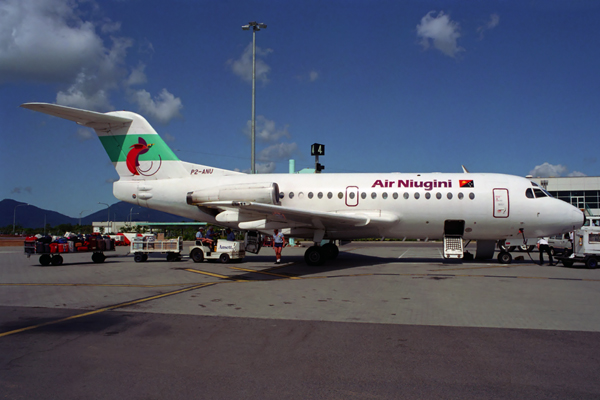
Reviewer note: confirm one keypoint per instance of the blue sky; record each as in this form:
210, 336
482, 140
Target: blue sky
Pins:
388, 86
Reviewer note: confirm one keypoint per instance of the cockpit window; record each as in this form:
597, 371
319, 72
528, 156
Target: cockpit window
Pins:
539, 188
529, 194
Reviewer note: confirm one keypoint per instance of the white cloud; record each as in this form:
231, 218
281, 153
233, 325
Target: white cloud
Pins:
547, 170
313, 75
163, 107
45, 40
85, 93
137, 76
242, 67
442, 31
58, 41
280, 151
167, 137
491, 24
266, 129
84, 134
266, 168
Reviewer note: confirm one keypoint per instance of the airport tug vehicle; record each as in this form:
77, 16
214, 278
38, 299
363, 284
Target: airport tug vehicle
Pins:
586, 245
223, 250
141, 248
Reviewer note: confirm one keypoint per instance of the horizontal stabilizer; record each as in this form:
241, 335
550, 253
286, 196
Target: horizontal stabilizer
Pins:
87, 118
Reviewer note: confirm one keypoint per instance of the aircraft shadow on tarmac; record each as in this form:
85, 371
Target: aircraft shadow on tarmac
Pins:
294, 266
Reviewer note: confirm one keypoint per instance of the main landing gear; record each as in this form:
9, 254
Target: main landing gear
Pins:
317, 255
504, 257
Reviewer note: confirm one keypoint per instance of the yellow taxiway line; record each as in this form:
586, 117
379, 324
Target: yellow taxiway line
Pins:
129, 303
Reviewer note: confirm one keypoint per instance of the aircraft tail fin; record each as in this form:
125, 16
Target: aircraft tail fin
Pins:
133, 146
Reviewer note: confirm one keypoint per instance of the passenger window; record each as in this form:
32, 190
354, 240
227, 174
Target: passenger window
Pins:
363, 195
406, 195
395, 196
384, 195
340, 195
329, 195
417, 195
373, 195
427, 195
460, 196
472, 195
310, 195
449, 196
529, 193
301, 195
351, 195
320, 195
438, 195
291, 195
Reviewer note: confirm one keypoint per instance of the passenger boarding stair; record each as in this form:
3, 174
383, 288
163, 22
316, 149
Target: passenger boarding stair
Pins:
453, 247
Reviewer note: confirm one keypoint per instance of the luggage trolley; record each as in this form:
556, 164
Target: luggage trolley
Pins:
141, 248
52, 253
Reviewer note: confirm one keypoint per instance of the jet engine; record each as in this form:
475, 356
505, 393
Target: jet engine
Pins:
266, 193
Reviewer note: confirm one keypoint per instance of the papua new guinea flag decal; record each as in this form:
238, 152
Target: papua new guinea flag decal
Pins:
467, 184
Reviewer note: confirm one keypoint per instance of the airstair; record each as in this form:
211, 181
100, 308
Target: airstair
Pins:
453, 247
453, 241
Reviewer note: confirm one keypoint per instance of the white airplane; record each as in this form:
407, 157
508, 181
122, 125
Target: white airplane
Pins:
456, 207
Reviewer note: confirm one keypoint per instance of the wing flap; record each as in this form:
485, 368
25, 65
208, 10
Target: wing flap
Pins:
310, 218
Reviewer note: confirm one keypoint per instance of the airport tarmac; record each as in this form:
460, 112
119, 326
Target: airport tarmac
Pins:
384, 320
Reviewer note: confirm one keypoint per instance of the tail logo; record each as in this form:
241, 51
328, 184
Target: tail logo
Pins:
133, 163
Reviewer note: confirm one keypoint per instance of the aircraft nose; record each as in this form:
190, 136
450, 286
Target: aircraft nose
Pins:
576, 218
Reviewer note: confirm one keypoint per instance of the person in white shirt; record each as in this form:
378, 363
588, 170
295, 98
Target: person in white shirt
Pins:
542, 245
278, 240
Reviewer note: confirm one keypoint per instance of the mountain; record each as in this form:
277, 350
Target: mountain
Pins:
30, 216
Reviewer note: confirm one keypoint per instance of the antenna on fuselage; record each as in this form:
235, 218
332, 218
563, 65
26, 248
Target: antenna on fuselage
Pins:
465, 170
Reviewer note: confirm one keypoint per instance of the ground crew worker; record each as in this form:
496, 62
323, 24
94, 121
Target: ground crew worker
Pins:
278, 240
542, 245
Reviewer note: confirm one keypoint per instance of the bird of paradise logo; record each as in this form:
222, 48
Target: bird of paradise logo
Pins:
133, 163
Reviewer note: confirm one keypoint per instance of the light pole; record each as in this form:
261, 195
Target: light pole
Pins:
15, 215
82, 211
256, 26
108, 216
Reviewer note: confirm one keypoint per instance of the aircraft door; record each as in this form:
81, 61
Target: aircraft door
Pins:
501, 203
352, 196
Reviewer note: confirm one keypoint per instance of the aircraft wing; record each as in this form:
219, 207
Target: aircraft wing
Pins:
287, 216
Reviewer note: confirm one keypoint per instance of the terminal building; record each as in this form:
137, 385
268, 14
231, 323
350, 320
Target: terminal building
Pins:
581, 191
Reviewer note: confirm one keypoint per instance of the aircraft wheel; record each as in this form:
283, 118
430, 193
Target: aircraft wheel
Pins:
504, 257
314, 256
45, 259
224, 258
138, 257
197, 255
57, 260
98, 257
330, 250
591, 263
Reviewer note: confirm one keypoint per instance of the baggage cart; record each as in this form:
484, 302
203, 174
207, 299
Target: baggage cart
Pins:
52, 253
172, 248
